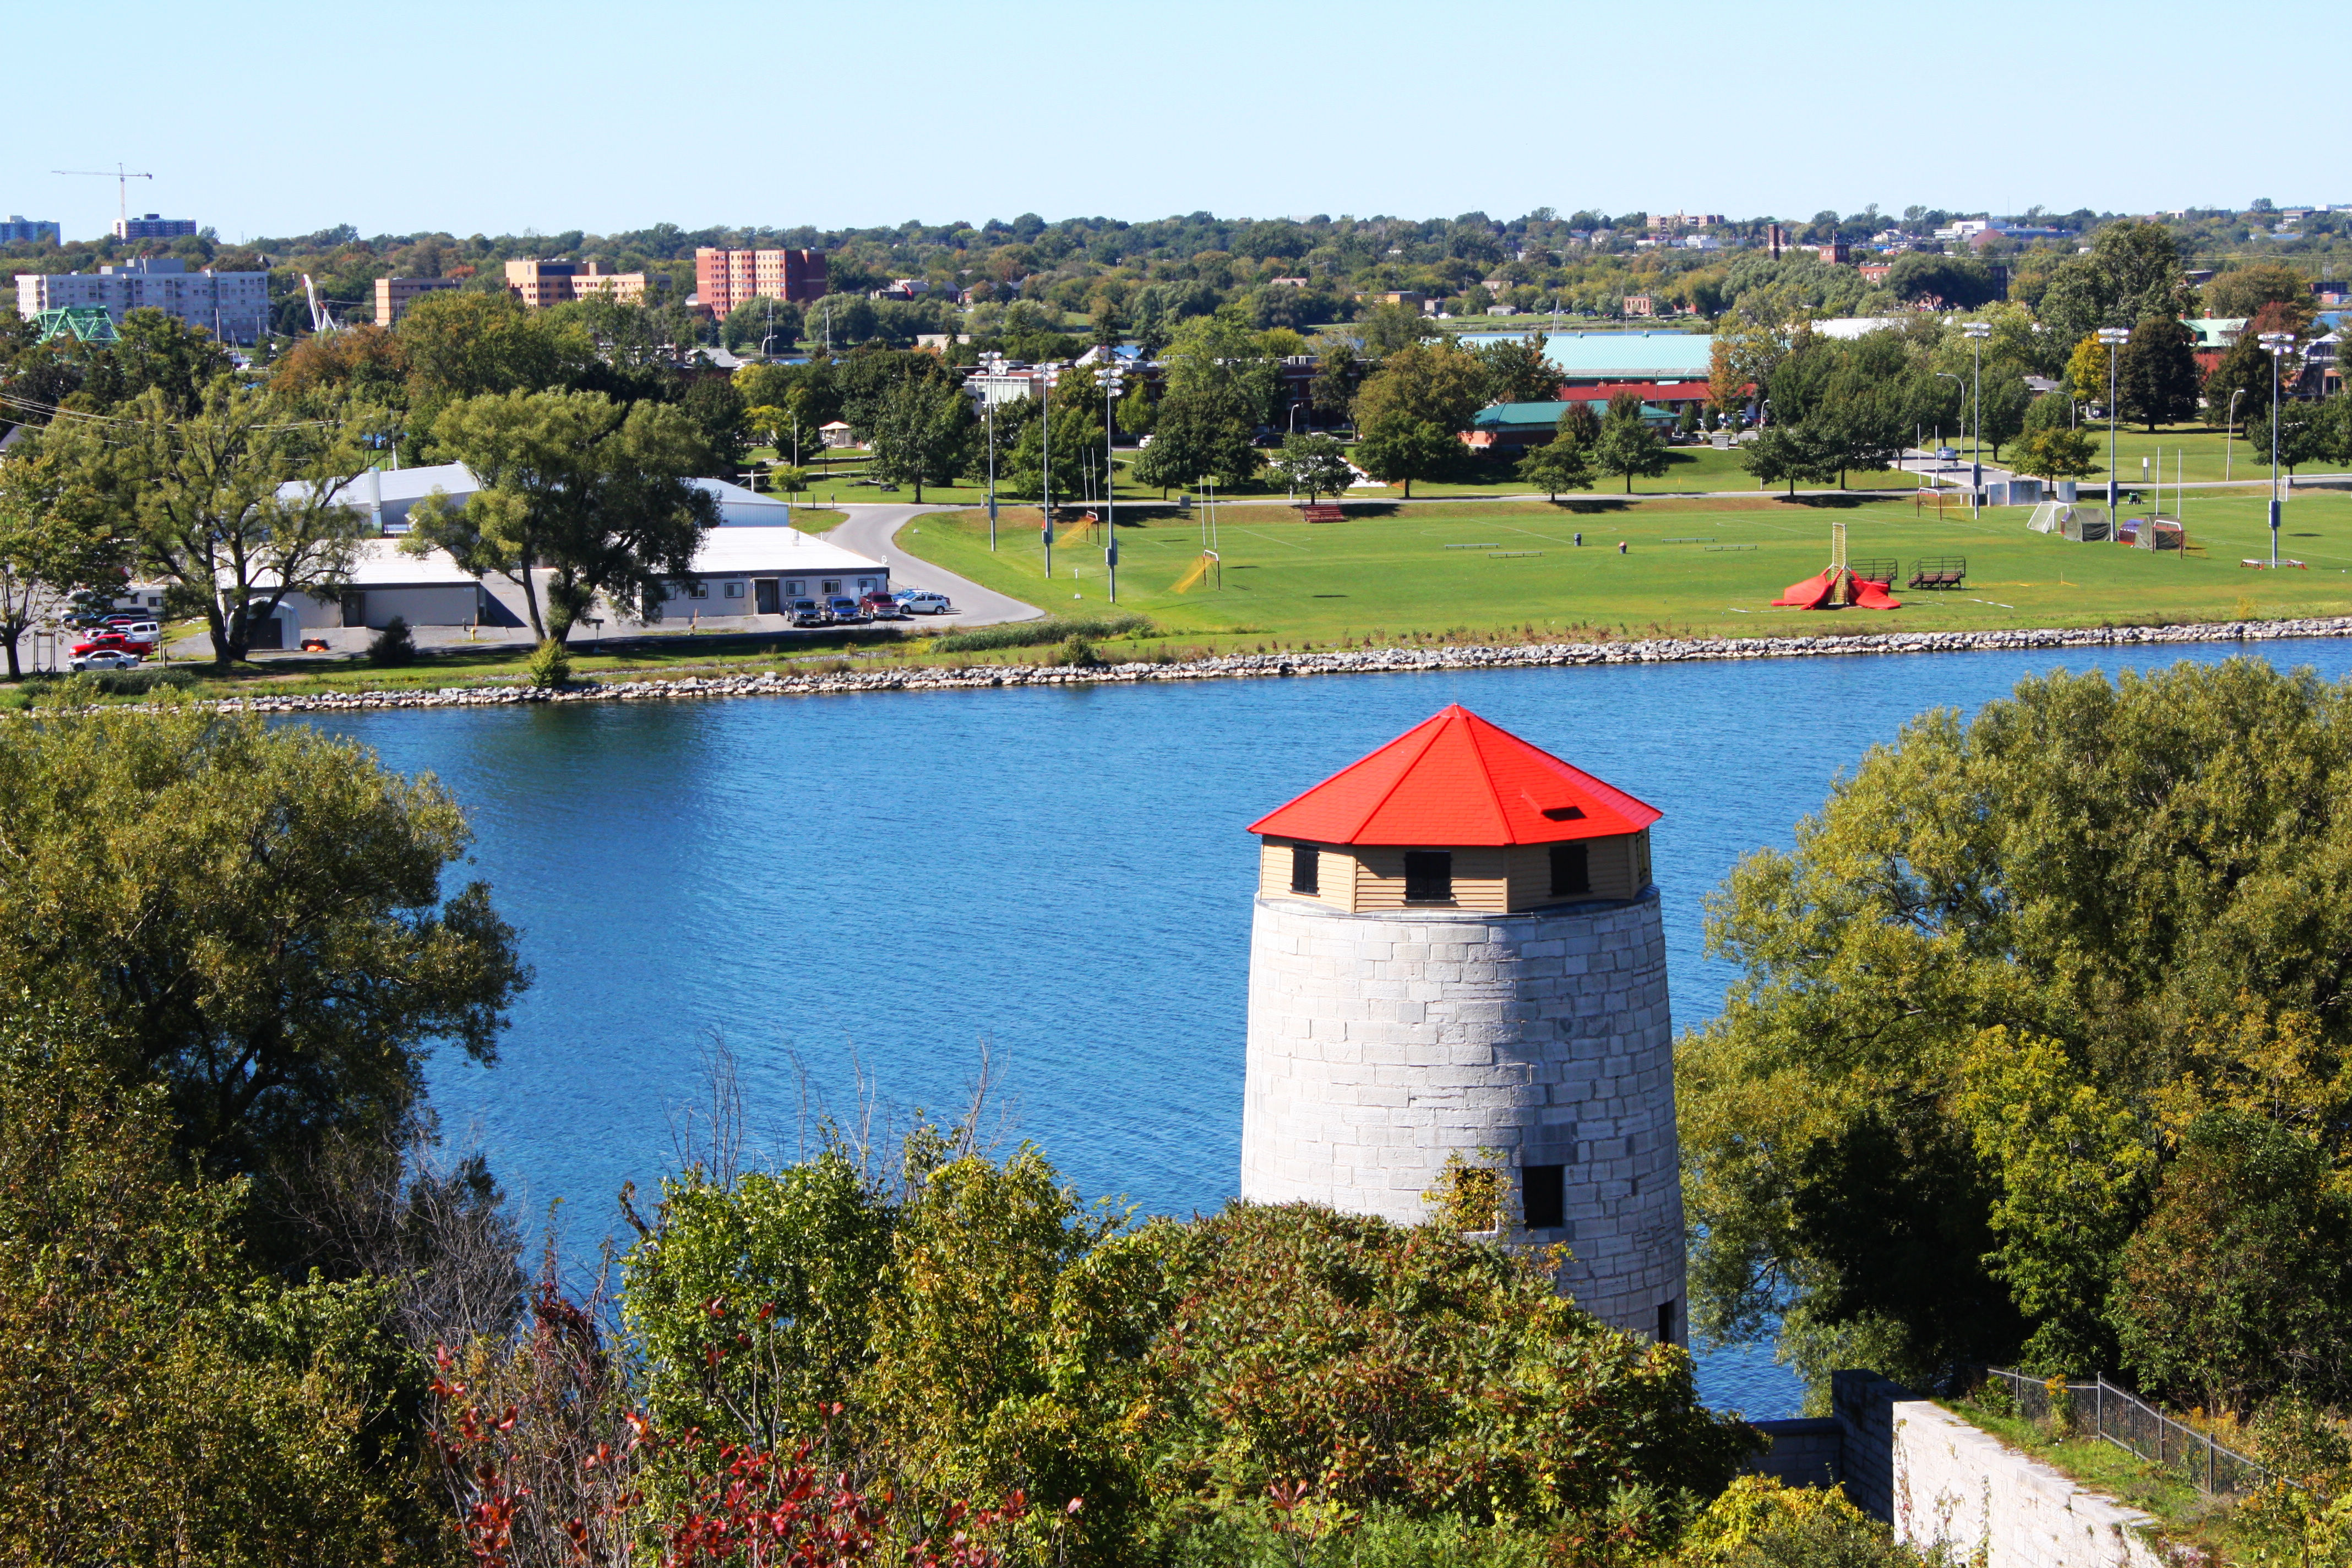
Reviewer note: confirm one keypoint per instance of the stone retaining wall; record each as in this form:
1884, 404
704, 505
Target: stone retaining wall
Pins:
1375, 661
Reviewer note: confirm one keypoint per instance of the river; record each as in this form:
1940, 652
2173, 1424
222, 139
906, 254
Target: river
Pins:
885, 885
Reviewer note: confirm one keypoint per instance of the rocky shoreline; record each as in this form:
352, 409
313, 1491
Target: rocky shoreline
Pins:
1366, 661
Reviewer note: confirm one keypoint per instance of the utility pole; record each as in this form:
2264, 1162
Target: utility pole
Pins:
1976, 333
2278, 344
2114, 337
1046, 483
992, 366
1112, 385
122, 177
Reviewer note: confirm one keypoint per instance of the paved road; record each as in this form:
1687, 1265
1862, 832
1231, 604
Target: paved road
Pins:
868, 531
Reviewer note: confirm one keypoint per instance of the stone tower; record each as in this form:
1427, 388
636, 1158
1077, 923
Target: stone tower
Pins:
1457, 949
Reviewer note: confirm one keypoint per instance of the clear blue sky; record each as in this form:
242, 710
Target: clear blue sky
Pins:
274, 118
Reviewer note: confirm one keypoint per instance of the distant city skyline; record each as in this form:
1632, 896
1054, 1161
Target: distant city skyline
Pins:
788, 115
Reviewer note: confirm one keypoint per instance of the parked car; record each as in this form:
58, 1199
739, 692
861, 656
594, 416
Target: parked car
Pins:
844, 608
106, 659
118, 641
139, 631
883, 606
806, 613
923, 602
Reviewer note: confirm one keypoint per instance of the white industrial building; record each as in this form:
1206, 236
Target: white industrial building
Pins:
429, 589
386, 495
760, 571
232, 306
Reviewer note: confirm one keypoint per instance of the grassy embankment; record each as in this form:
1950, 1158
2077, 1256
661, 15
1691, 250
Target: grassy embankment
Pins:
1467, 572
1707, 567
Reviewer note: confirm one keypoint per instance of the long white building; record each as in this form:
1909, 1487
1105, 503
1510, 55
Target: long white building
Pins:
232, 306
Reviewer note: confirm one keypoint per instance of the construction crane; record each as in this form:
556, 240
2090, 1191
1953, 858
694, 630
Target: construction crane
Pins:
322, 320
117, 173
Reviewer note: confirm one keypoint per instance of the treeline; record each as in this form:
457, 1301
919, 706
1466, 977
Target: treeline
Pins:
2039, 1057
1297, 273
256, 1314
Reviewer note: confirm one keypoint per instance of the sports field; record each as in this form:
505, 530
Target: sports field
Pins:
1689, 567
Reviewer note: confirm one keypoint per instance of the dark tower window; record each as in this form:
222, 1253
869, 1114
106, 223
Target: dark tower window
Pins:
1571, 869
1306, 870
1543, 1197
1429, 877
1666, 1322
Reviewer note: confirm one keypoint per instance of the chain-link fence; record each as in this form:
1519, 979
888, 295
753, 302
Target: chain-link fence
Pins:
2098, 1408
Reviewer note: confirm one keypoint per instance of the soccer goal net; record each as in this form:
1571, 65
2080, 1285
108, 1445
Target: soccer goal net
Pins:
2050, 517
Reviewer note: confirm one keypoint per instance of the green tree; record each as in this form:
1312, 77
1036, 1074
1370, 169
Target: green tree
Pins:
769, 324
45, 556
1952, 282
922, 435
2233, 1290
1388, 327
2241, 292
166, 1402
2156, 376
1517, 371
1439, 385
278, 993
1218, 364
1397, 449
2239, 390
1557, 464
1316, 464
1190, 442
1628, 447
1793, 451
2056, 452
2004, 400
459, 343
2304, 432
1966, 879
155, 351
238, 506
1076, 407
1338, 373
572, 482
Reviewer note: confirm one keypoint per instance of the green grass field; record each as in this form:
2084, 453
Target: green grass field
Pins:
1691, 567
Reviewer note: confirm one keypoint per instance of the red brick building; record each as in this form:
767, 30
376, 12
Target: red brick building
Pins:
726, 278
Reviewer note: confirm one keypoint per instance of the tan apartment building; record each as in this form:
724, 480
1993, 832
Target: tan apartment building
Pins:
726, 278
395, 295
539, 284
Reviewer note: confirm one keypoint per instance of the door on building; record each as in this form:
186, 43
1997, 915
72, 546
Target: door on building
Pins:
355, 607
764, 600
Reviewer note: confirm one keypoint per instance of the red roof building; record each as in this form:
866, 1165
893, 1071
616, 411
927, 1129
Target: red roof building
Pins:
1458, 781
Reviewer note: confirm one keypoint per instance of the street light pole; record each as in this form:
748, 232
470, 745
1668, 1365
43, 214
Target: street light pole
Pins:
992, 365
2278, 344
1045, 439
2113, 337
1976, 332
1112, 385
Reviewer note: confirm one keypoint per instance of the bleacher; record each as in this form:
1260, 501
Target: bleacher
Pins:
1940, 572
1321, 514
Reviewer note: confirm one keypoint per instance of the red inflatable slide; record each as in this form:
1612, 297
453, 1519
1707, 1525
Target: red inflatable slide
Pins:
1835, 589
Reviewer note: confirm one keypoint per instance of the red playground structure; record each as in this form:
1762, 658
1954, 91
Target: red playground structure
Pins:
1862, 586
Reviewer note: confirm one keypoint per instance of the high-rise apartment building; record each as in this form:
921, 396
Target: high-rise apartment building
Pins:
539, 284
395, 295
726, 278
232, 306
152, 226
22, 230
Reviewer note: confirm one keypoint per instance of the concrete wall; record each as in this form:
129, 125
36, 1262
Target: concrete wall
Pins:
1961, 1486
1939, 1480
1380, 1043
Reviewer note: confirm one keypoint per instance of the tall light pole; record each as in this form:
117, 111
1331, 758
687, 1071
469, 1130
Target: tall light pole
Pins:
2114, 337
1940, 375
2228, 432
1976, 333
2278, 344
991, 365
1046, 440
1113, 384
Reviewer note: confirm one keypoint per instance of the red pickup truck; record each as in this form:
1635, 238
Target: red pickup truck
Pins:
120, 642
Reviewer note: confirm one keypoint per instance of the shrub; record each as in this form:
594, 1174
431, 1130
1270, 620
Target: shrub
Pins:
1757, 1523
1039, 633
131, 683
393, 646
551, 664
1077, 650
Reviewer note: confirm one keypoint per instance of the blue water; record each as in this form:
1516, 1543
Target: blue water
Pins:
885, 885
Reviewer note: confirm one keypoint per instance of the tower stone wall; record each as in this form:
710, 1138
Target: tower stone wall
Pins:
1380, 1043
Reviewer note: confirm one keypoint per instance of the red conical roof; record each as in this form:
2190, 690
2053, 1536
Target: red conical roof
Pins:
1457, 780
